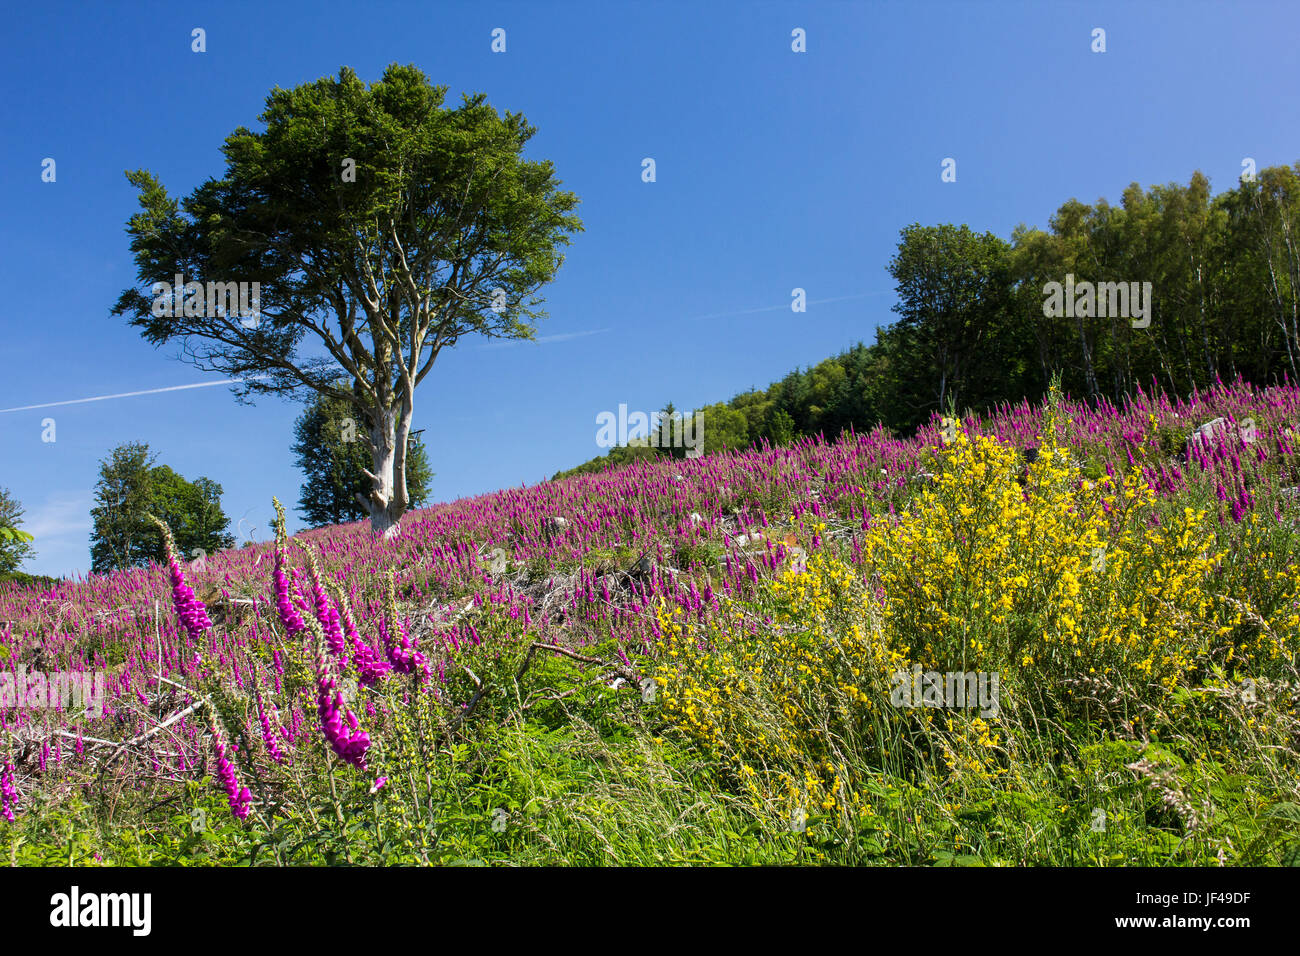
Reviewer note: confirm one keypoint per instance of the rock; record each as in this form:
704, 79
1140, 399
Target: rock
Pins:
696, 518
1208, 432
554, 526
644, 567
744, 540
1220, 428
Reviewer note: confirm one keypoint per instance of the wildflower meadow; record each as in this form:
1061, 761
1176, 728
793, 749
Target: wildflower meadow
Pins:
724, 659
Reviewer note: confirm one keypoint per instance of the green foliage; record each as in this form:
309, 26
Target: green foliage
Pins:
349, 189
38, 581
131, 487
723, 429
955, 324
15, 544
616, 457
780, 429
971, 332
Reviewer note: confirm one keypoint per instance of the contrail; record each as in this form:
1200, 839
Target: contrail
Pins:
147, 391
543, 339
546, 338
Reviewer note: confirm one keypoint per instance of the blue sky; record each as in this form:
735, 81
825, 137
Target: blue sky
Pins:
775, 170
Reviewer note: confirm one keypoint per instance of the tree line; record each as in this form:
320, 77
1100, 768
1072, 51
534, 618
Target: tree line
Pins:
973, 328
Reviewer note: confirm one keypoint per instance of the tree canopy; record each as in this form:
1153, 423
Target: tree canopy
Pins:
380, 226
130, 488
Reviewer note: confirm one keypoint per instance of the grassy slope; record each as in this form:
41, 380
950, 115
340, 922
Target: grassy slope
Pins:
1148, 716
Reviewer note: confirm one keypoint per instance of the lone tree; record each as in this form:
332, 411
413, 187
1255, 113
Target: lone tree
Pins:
334, 461
381, 227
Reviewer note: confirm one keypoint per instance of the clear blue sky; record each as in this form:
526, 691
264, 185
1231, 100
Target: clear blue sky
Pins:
776, 170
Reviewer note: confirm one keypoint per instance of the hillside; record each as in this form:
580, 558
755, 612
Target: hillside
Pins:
700, 660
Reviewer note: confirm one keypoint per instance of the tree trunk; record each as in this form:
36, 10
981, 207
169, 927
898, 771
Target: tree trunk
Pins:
388, 499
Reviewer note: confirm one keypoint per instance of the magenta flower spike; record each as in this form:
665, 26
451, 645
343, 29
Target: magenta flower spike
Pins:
326, 614
269, 736
285, 605
338, 723
238, 796
192, 612
8, 793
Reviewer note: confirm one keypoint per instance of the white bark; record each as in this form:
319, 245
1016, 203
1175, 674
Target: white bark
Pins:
388, 436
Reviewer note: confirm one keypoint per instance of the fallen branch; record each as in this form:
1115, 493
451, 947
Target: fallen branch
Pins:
624, 672
123, 744
473, 701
